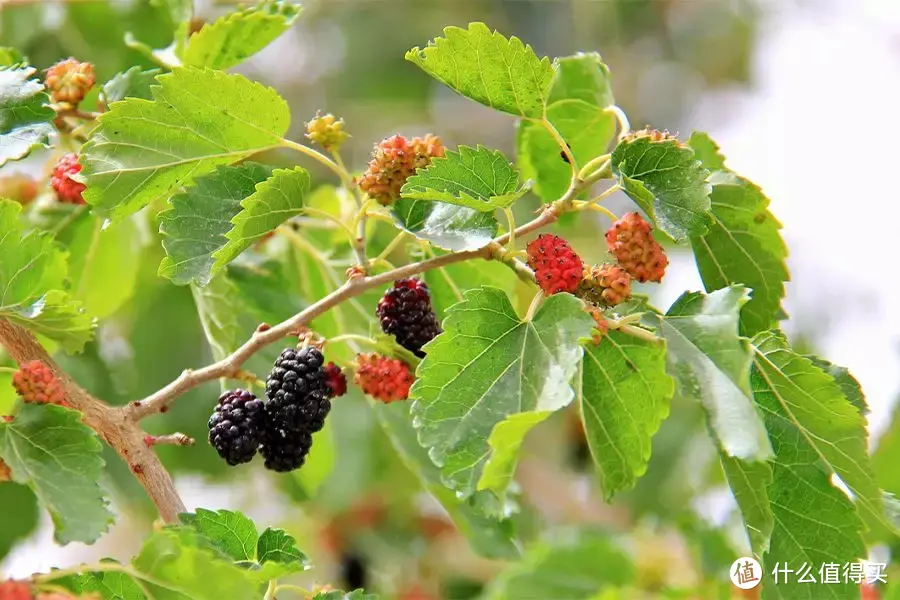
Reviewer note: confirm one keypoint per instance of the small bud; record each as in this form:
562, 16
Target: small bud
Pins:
69, 81
605, 285
326, 131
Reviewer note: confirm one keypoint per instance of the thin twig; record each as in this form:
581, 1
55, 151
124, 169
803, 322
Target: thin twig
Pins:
171, 439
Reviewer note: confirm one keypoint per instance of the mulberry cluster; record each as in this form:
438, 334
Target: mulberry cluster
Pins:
67, 189
326, 131
605, 285
299, 390
630, 240
70, 80
385, 379
405, 312
393, 161
36, 383
556, 266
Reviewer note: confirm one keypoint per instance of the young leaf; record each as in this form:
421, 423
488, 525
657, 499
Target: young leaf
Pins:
489, 366
143, 150
276, 546
181, 566
133, 83
25, 117
502, 73
667, 181
235, 37
195, 226
577, 107
800, 397
815, 432
477, 178
711, 363
446, 226
53, 453
107, 585
10, 57
490, 537
32, 273
625, 395
574, 566
275, 200
743, 244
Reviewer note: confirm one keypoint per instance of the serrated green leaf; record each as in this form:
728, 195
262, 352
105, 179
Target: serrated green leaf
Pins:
195, 226
707, 151
32, 273
142, 150
445, 284
218, 306
625, 394
183, 568
19, 516
95, 252
25, 117
230, 532
667, 181
110, 585
573, 566
502, 73
827, 433
53, 453
846, 381
711, 364
749, 482
450, 227
275, 200
577, 107
815, 432
10, 57
265, 290
478, 178
887, 456
276, 546
133, 83
233, 38
489, 536
743, 244
489, 366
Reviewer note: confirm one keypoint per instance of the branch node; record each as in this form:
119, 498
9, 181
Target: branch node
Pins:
356, 274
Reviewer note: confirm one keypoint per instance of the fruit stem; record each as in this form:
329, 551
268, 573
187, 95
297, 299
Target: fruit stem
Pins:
351, 337
535, 303
593, 202
592, 164
317, 156
393, 245
622, 118
511, 219
330, 217
8, 369
270, 591
638, 332
570, 158
600, 209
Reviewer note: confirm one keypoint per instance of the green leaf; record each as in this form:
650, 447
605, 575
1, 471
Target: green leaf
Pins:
667, 181
887, 456
218, 306
95, 253
230, 532
502, 73
743, 244
488, 536
110, 585
195, 226
53, 453
625, 394
10, 57
266, 290
818, 425
573, 566
749, 483
133, 157
849, 385
19, 516
340, 595
276, 546
707, 151
477, 178
235, 37
446, 226
133, 83
183, 568
275, 200
32, 272
179, 10
711, 364
25, 118
815, 432
577, 107
489, 366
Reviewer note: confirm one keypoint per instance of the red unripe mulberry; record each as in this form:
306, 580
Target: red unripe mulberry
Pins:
36, 383
67, 189
556, 266
630, 240
385, 379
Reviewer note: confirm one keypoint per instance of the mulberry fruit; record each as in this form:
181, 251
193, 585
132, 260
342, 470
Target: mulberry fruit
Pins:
284, 449
36, 383
631, 241
326, 131
556, 266
335, 380
19, 187
393, 161
236, 426
605, 285
67, 189
298, 391
69, 80
15, 590
385, 379
405, 312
